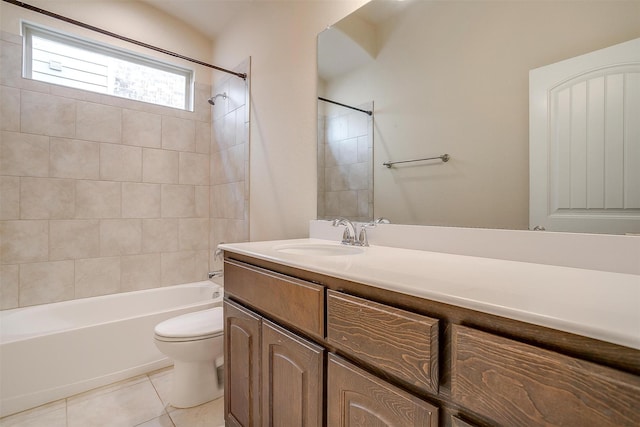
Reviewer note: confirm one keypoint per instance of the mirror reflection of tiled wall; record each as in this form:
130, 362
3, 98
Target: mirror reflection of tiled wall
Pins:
345, 159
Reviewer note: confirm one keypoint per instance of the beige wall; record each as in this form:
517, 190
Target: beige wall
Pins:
99, 194
463, 90
280, 38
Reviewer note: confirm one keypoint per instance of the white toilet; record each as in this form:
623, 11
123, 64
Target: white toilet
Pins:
195, 342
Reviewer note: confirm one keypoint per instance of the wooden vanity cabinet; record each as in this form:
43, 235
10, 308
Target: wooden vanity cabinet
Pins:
382, 358
273, 377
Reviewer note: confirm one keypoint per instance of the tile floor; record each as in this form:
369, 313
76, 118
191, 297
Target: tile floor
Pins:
137, 402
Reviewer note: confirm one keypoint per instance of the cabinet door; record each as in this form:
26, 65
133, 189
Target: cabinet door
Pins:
242, 366
357, 398
292, 376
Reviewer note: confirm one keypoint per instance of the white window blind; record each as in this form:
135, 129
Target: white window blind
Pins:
59, 58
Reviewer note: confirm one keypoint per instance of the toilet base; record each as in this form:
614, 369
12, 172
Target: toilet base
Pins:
194, 383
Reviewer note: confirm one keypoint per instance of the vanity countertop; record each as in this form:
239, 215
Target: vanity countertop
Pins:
596, 304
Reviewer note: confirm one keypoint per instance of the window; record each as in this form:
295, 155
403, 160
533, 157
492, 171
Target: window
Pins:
59, 58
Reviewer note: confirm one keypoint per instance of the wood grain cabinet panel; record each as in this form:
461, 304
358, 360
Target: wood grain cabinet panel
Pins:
292, 379
357, 398
242, 333
516, 384
457, 422
401, 343
297, 303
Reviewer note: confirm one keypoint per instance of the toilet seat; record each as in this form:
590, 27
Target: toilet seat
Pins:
198, 325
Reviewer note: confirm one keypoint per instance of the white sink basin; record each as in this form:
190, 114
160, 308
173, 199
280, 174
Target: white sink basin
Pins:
318, 249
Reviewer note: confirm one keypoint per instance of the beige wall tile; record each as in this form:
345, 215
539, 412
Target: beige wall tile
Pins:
229, 231
202, 201
160, 166
194, 168
141, 129
216, 207
96, 122
46, 114
9, 108
120, 237
97, 276
228, 201
77, 94
46, 282
74, 239
23, 154
98, 199
11, 60
9, 197
202, 109
120, 163
9, 281
47, 198
140, 272
216, 175
184, 267
229, 166
140, 200
202, 266
159, 235
178, 201
178, 134
217, 134
193, 234
72, 158
203, 137
24, 241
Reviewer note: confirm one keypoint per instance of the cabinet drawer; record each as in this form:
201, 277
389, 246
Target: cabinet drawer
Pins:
295, 302
357, 398
517, 384
401, 343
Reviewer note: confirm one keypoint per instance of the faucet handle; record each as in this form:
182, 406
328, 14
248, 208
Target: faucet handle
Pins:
363, 240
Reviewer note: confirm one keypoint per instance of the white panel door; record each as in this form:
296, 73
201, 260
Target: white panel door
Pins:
584, 142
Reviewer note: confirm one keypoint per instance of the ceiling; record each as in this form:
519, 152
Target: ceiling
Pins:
209, 17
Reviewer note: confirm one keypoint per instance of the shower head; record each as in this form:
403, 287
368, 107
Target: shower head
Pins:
212, 100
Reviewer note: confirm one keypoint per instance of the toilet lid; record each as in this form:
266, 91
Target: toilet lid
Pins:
192, 325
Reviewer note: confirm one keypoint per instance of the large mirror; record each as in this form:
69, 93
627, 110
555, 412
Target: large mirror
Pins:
443, 77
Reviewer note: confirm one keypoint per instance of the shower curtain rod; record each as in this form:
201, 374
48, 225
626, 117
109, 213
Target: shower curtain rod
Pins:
345, 105
118, 36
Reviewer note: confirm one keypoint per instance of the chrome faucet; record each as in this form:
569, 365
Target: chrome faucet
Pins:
349, 235
363, 240
362, 237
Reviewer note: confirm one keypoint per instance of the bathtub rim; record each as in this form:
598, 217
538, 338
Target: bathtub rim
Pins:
77, 301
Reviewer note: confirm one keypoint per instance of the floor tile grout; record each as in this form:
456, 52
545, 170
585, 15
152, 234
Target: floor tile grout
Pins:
205, 414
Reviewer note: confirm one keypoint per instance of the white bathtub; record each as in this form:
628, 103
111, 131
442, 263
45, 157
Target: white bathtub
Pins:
53, 351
